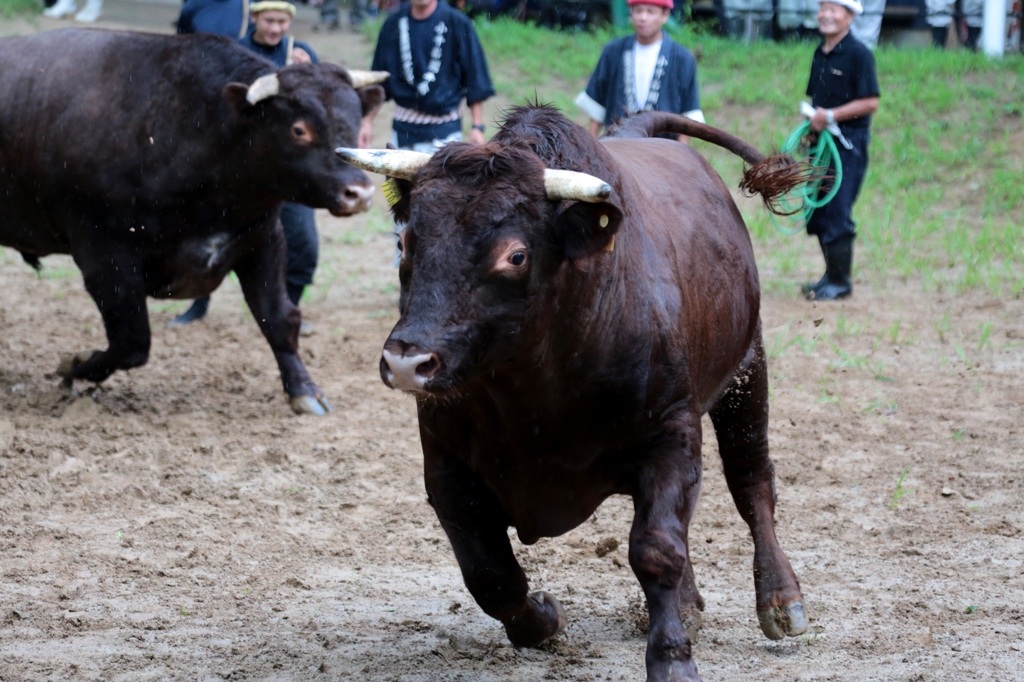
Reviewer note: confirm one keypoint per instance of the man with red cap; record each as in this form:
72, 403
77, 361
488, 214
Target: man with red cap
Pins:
647, 71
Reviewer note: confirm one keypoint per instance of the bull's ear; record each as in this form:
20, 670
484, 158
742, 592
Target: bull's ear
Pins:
371, 97
235, 94
584, 228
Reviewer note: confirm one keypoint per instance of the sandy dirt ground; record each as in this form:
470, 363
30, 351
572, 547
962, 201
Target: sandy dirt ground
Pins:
179, 523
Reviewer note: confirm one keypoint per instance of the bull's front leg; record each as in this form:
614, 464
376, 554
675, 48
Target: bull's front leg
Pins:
115, 282
666, 493
477, 528
261, 276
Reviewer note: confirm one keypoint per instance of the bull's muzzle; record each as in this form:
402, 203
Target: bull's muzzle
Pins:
409, 371
355, 198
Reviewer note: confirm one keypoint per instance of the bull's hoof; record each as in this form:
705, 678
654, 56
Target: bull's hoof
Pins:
543, 620
310, 404
676, 671
66, 368
783, 621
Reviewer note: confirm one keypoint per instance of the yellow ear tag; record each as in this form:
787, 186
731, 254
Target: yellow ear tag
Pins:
391, 191
603, 222
611, 244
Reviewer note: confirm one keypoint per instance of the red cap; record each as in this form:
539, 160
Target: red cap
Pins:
667, 4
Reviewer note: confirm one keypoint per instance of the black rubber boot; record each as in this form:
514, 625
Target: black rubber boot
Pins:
939, 35
295, 293
838, 264
811, 286
196, 312
973, 33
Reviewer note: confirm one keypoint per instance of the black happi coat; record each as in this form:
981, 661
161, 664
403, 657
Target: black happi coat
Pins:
606, 98
460, 74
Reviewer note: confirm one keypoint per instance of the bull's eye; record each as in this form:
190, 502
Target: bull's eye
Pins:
301, 133
517, 258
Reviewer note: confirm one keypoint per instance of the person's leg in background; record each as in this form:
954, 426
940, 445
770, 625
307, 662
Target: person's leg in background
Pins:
303, 242
940, 15
974, 11
357, 13
833, 223
867, 26
329, 16
195, 312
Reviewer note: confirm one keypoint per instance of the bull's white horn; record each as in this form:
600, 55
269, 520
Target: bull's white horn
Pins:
395, 163
360, 79
263, 88
571, 185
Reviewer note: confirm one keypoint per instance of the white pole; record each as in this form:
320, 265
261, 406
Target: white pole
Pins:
993, 34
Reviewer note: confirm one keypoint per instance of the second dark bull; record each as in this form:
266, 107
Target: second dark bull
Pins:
160, 164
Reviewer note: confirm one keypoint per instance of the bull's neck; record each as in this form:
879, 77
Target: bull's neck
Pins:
246, 192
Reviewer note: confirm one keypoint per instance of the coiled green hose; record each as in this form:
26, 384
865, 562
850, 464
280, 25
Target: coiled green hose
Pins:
801, 202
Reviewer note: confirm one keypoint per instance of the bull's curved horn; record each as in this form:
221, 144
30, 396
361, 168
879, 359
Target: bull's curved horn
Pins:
571, 185
360, 79
263, 88
395, 163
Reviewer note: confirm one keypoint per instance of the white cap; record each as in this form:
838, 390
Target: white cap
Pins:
852, 5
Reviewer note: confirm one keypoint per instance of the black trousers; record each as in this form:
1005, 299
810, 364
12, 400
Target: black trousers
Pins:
303, 242
834, 221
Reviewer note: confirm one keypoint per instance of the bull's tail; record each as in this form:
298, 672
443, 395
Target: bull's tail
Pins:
770, 176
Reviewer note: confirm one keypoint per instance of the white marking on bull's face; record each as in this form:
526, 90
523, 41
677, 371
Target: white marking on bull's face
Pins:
402, 373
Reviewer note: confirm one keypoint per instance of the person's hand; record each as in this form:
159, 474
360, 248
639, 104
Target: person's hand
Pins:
819, 120
300, 56
366, 133
476, 136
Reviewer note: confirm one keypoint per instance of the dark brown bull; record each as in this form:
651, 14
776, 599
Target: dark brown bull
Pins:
160, 164
564, 351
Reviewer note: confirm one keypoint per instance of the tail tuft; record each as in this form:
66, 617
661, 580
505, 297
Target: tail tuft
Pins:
776, 176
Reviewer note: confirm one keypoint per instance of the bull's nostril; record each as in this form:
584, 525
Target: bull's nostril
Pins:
353, 196
430, 367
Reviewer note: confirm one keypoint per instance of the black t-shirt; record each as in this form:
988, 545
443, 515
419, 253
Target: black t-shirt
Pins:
843, 75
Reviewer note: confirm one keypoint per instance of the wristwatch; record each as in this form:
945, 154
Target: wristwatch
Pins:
479, 126
830, 118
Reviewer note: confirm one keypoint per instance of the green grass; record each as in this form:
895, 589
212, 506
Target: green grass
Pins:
942, 203
900, 491
13, 8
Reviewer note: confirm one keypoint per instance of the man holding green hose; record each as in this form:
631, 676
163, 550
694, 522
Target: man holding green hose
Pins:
843, 88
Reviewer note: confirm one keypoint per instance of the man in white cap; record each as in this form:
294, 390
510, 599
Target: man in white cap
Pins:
647, 71
843, 88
